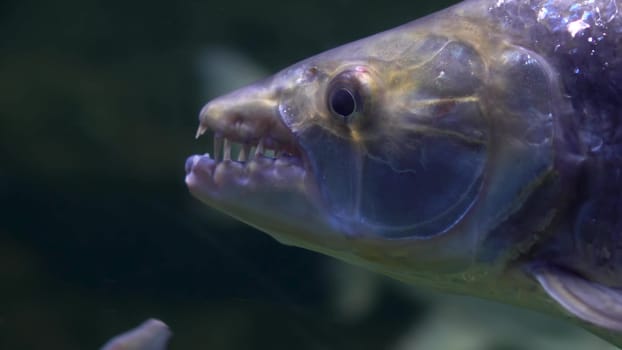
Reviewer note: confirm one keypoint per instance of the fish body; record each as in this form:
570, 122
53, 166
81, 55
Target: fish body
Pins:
476, 151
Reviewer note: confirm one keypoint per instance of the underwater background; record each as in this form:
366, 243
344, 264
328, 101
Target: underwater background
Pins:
98, 104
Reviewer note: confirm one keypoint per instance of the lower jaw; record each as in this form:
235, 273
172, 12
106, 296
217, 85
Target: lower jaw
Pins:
204, 174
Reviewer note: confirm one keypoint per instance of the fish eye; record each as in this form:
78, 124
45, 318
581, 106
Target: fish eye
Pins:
342, 102
348, 94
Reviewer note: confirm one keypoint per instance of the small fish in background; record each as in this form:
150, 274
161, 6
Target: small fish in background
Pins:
453, 323
150, 335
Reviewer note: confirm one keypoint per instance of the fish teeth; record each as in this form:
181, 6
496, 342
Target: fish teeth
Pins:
242, 154
200, 131
251, 153
260, 148
247, 151
227, 147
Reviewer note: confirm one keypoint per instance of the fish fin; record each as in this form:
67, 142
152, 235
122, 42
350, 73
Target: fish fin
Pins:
590, 301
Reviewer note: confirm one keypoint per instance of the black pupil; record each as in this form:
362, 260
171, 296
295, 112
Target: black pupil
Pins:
342, 102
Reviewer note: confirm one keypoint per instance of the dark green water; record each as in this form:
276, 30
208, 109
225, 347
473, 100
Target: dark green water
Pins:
98, 107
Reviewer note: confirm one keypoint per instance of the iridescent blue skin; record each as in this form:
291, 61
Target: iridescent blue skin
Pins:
482, 156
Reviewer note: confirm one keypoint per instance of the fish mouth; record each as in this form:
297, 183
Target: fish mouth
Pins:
252, 150
257, 171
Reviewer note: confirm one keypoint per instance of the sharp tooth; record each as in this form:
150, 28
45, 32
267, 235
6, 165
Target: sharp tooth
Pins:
227, 147
251, 153
259, 150
217, 146
243, 153
200, 131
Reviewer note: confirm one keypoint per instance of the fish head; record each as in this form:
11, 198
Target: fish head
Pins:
399, 152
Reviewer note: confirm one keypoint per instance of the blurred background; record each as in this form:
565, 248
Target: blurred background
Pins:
98, 110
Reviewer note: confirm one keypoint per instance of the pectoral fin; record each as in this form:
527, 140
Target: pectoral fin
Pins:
590, 301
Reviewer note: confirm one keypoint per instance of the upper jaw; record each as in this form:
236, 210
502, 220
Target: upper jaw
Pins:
248, 116
252, 147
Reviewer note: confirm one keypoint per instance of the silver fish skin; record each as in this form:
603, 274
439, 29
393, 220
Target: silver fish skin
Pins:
475, 151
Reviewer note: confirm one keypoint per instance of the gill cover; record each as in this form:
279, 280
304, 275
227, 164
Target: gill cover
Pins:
450, 133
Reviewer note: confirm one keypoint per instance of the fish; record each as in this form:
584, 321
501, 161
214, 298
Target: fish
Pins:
152, 334
475, 151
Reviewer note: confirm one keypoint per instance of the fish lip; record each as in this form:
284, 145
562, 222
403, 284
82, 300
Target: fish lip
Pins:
212, 180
